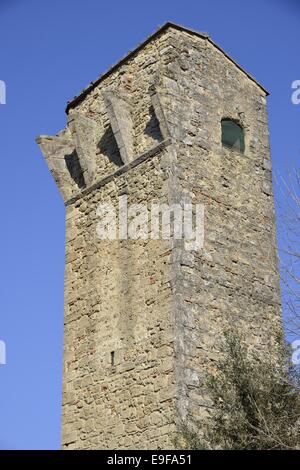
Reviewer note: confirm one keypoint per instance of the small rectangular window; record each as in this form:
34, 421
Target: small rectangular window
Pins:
112, 358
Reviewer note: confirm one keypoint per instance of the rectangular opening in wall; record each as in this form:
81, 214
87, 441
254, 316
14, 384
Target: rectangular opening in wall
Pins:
112, 358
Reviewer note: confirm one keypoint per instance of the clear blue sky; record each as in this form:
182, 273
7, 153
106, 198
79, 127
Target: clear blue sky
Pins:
50, 50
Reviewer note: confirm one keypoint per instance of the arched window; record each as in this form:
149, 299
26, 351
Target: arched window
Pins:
232, 135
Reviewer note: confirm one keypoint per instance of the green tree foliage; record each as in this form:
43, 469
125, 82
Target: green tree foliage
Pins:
256, 403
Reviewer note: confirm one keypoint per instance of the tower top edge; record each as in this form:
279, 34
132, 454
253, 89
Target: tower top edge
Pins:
161, 30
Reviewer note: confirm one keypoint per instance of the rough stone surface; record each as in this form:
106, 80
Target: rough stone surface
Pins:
161, 310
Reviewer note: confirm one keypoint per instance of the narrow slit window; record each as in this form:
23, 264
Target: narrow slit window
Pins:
232, 135
112, 358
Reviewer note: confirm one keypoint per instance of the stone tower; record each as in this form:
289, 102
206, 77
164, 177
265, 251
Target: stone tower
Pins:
144, 317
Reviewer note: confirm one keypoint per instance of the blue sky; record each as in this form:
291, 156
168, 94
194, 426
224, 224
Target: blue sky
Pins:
50, 50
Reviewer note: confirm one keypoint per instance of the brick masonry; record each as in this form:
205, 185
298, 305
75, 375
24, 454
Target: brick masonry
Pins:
144, 318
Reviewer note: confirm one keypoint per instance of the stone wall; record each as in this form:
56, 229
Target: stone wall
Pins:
118, 301
233, 282
144, 319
